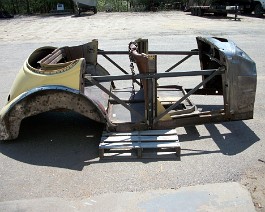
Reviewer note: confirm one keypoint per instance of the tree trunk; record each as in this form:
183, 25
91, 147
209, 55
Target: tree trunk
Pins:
14, 7
72, 5
27, 3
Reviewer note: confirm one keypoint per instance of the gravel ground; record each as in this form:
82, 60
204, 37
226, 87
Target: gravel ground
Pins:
56, 154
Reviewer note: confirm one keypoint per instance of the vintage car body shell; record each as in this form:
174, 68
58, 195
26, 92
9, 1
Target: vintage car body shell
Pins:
69, 85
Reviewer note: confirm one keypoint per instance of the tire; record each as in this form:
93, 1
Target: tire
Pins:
258, 11
247, 11
95, 10
192, 11
200, 12
196, 11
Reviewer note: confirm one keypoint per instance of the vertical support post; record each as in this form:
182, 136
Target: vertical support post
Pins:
151, 105
147, 65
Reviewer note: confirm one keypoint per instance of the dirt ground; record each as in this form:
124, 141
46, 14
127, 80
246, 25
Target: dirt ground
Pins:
254, 180
105, 26
21, 35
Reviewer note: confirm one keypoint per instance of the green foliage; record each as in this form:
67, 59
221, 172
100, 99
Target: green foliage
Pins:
45, 6
32, 6
114, 5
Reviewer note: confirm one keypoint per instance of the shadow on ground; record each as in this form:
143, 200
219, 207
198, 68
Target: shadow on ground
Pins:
69, 140
239, 138
212, 16
87, 14
65, 140
231, 16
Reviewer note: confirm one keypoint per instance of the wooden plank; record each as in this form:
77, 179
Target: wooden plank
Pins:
145, 145
53, 58
147, 155
56, 59
144, 142
159, 132
139, 138
119, 155
147, 132
47, 59
152, 145
166, 148
44, 59
124, 145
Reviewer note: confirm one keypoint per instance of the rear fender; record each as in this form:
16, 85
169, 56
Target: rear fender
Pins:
44, 99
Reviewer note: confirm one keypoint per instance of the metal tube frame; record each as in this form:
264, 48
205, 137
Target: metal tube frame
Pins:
108, 78
119, 67
192, 52
210, 73
217, 72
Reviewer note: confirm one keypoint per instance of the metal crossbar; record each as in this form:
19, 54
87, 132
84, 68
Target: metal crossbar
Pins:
178, 63
209, 73
217, 72
97, 79
101, 52
115, 64
108, 78
119, 67
188, 53
182, 60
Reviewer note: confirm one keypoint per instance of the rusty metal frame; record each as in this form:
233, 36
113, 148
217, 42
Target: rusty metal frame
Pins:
113, 62
236, 105
210, 73
104, 54
97, 79
217, 72
108, 78
188, 53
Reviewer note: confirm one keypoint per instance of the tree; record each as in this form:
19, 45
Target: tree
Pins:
27, 3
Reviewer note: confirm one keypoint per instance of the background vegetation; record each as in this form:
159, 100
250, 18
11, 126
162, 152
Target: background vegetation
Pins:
45, 6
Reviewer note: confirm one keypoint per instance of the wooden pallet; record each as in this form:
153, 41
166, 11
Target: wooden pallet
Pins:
140, 144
